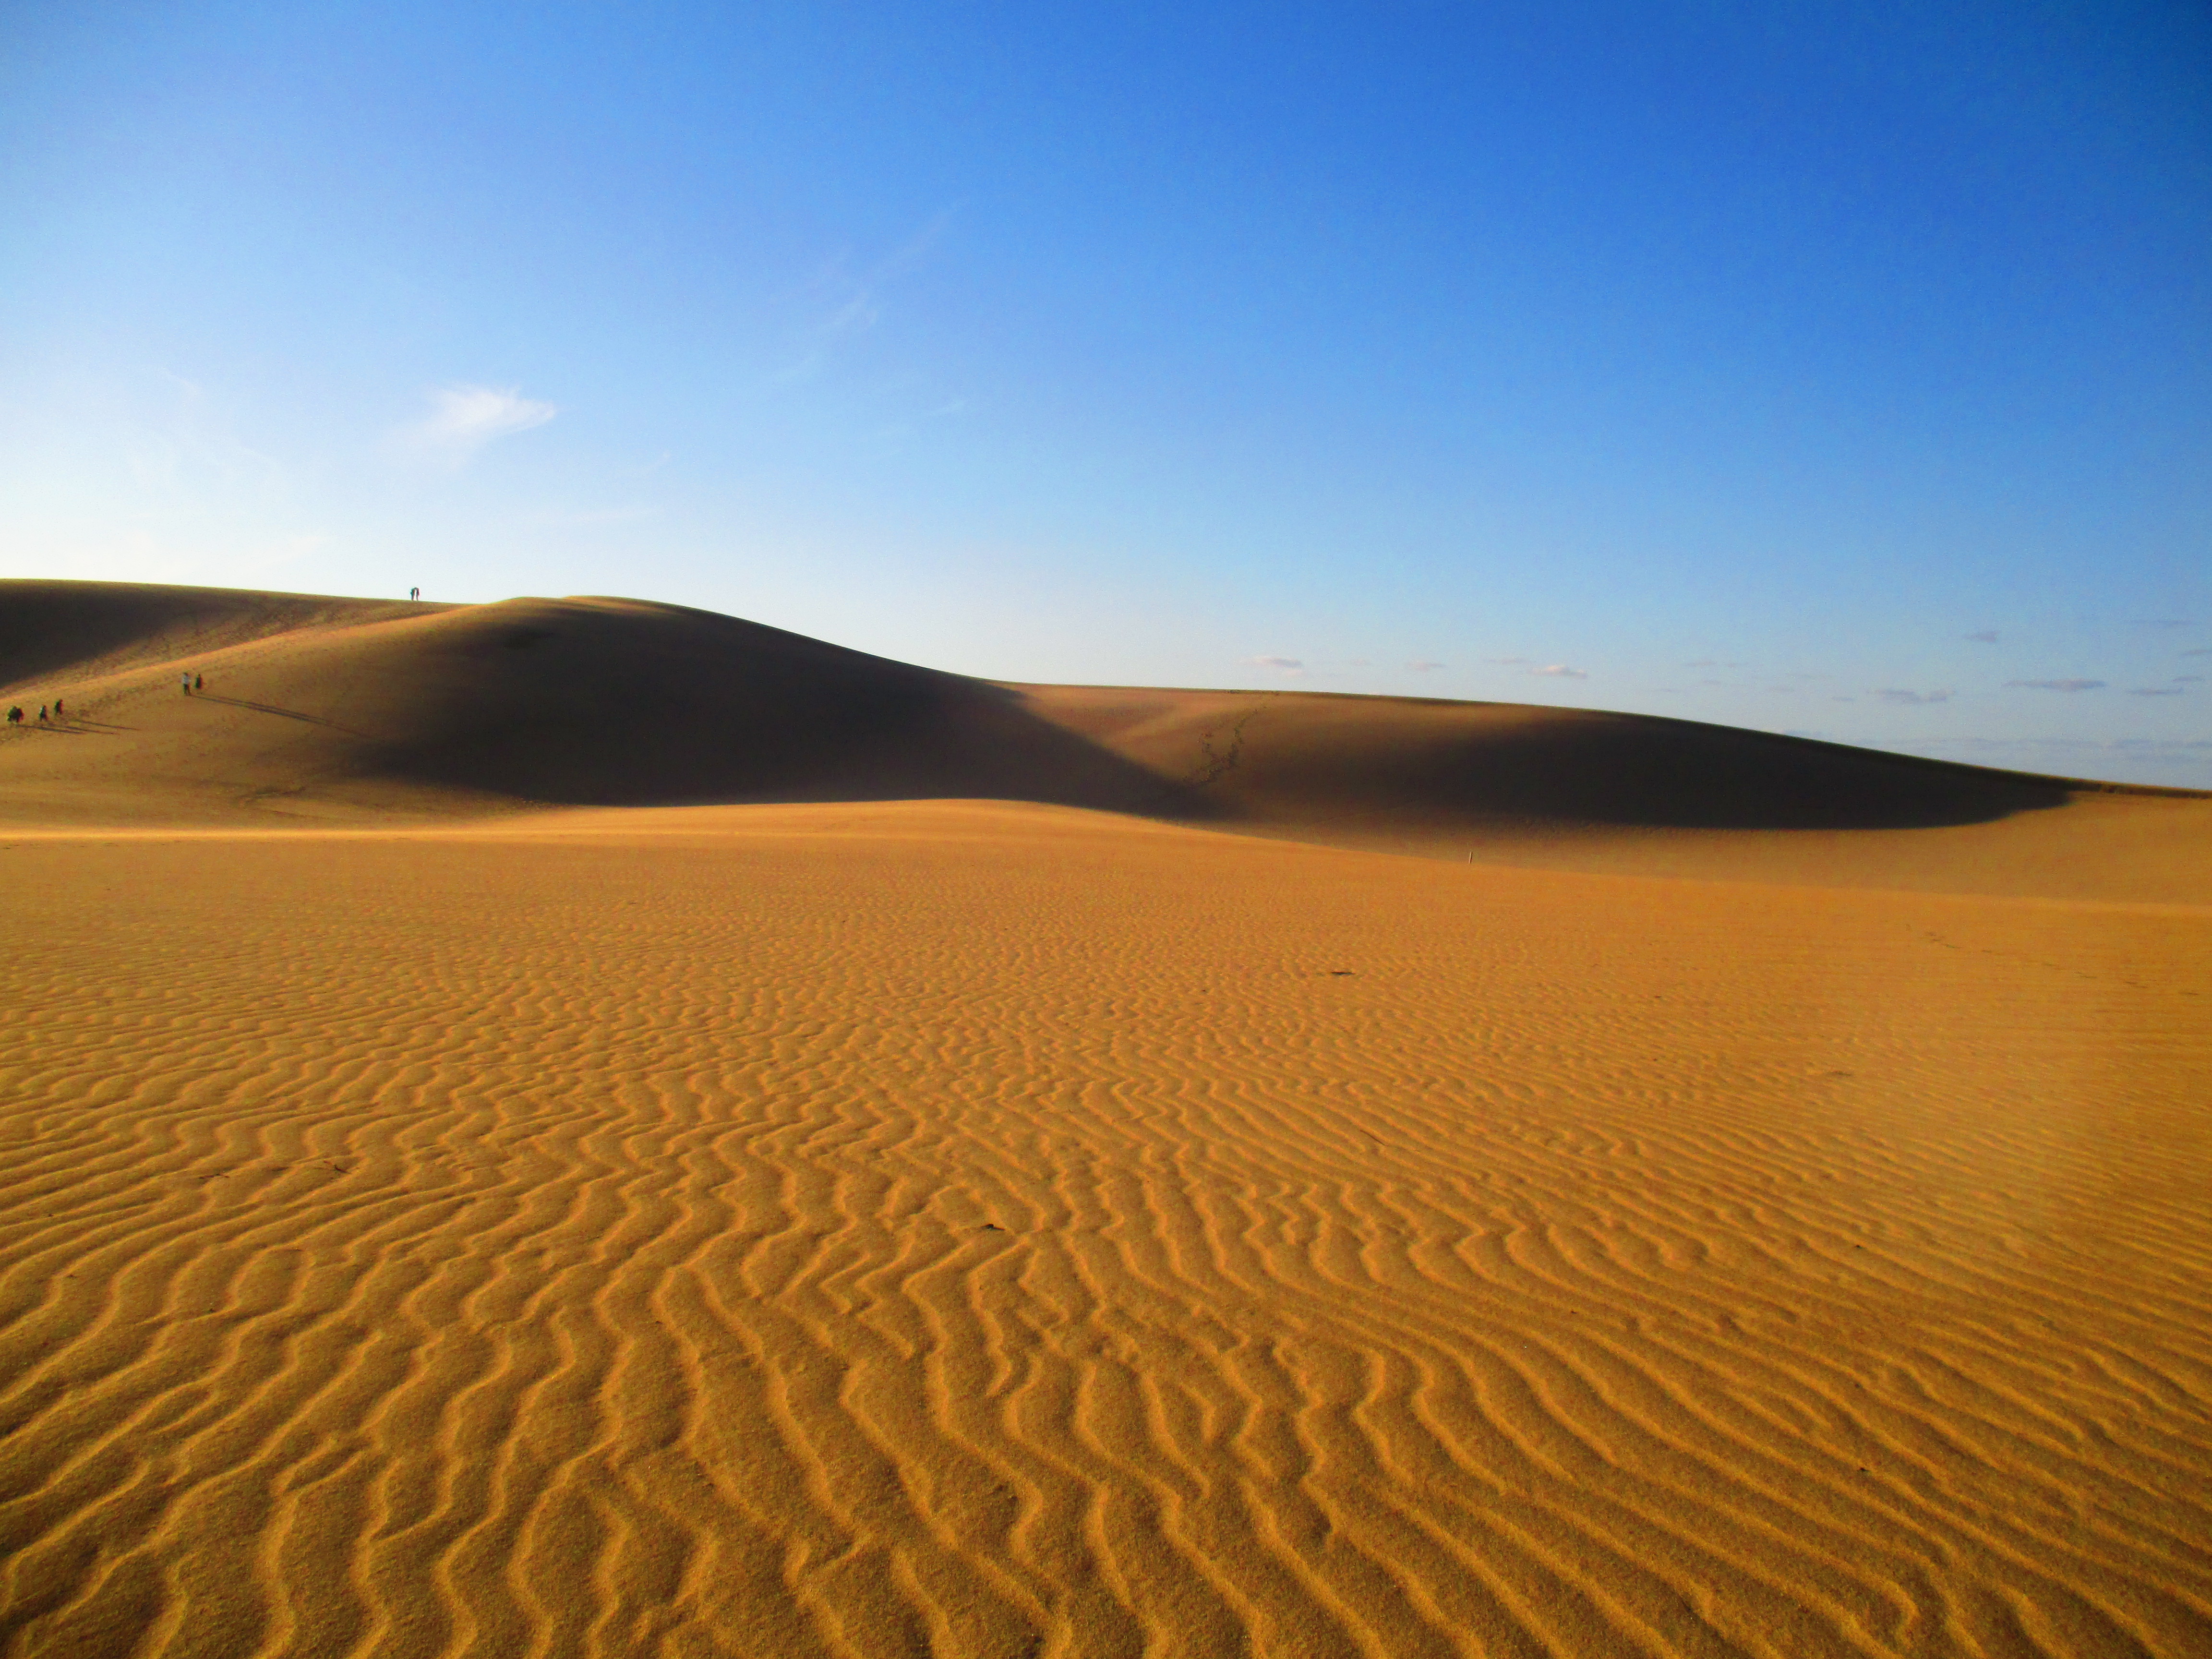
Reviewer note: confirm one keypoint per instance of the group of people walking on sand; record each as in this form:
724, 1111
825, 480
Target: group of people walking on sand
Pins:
60, 712
188, 683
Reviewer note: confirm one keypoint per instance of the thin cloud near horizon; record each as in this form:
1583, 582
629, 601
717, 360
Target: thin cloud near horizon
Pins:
1559, 671
1901, 695
2057, 685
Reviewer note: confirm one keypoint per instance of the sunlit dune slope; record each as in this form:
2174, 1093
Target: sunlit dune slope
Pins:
352, 708
91, 630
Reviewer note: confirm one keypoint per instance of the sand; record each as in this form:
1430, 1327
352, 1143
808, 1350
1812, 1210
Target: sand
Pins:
433, 1224
375, 713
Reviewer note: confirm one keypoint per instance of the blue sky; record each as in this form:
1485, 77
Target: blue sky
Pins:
1744, 363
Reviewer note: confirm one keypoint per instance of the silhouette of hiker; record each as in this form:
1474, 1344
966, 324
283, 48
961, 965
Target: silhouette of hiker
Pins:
42, 713
188, 685
415, 593
15, 715
199, 682
58, 709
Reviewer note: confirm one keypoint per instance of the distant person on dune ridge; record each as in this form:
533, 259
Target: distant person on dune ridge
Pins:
15, 715
199, 682
58, 709
415, 593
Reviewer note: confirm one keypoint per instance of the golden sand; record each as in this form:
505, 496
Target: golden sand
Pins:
986, 1228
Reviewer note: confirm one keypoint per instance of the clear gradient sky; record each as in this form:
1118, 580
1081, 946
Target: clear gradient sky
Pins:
1844, 369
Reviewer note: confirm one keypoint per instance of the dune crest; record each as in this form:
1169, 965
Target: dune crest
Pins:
372, 711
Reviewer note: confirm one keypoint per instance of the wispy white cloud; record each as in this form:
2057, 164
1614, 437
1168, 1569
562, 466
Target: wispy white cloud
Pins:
1423, 665
2057, 685
567, 518
1559, 671
1900, 695
843, 302
2157, 691
463, 419
1987, 636
1280, 665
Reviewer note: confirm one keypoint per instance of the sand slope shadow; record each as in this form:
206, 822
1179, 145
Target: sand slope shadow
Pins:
621, 703
597, 701
1319, 759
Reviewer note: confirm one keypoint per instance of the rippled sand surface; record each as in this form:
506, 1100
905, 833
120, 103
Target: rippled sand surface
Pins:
995, 1230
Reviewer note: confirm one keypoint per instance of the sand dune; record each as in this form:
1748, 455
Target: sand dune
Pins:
1635, 794
443, 711
351, 710
987, 1227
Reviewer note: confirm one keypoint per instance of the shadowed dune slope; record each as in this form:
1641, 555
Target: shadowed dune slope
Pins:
1416, 762
339, 708
1634, 794
588, 702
